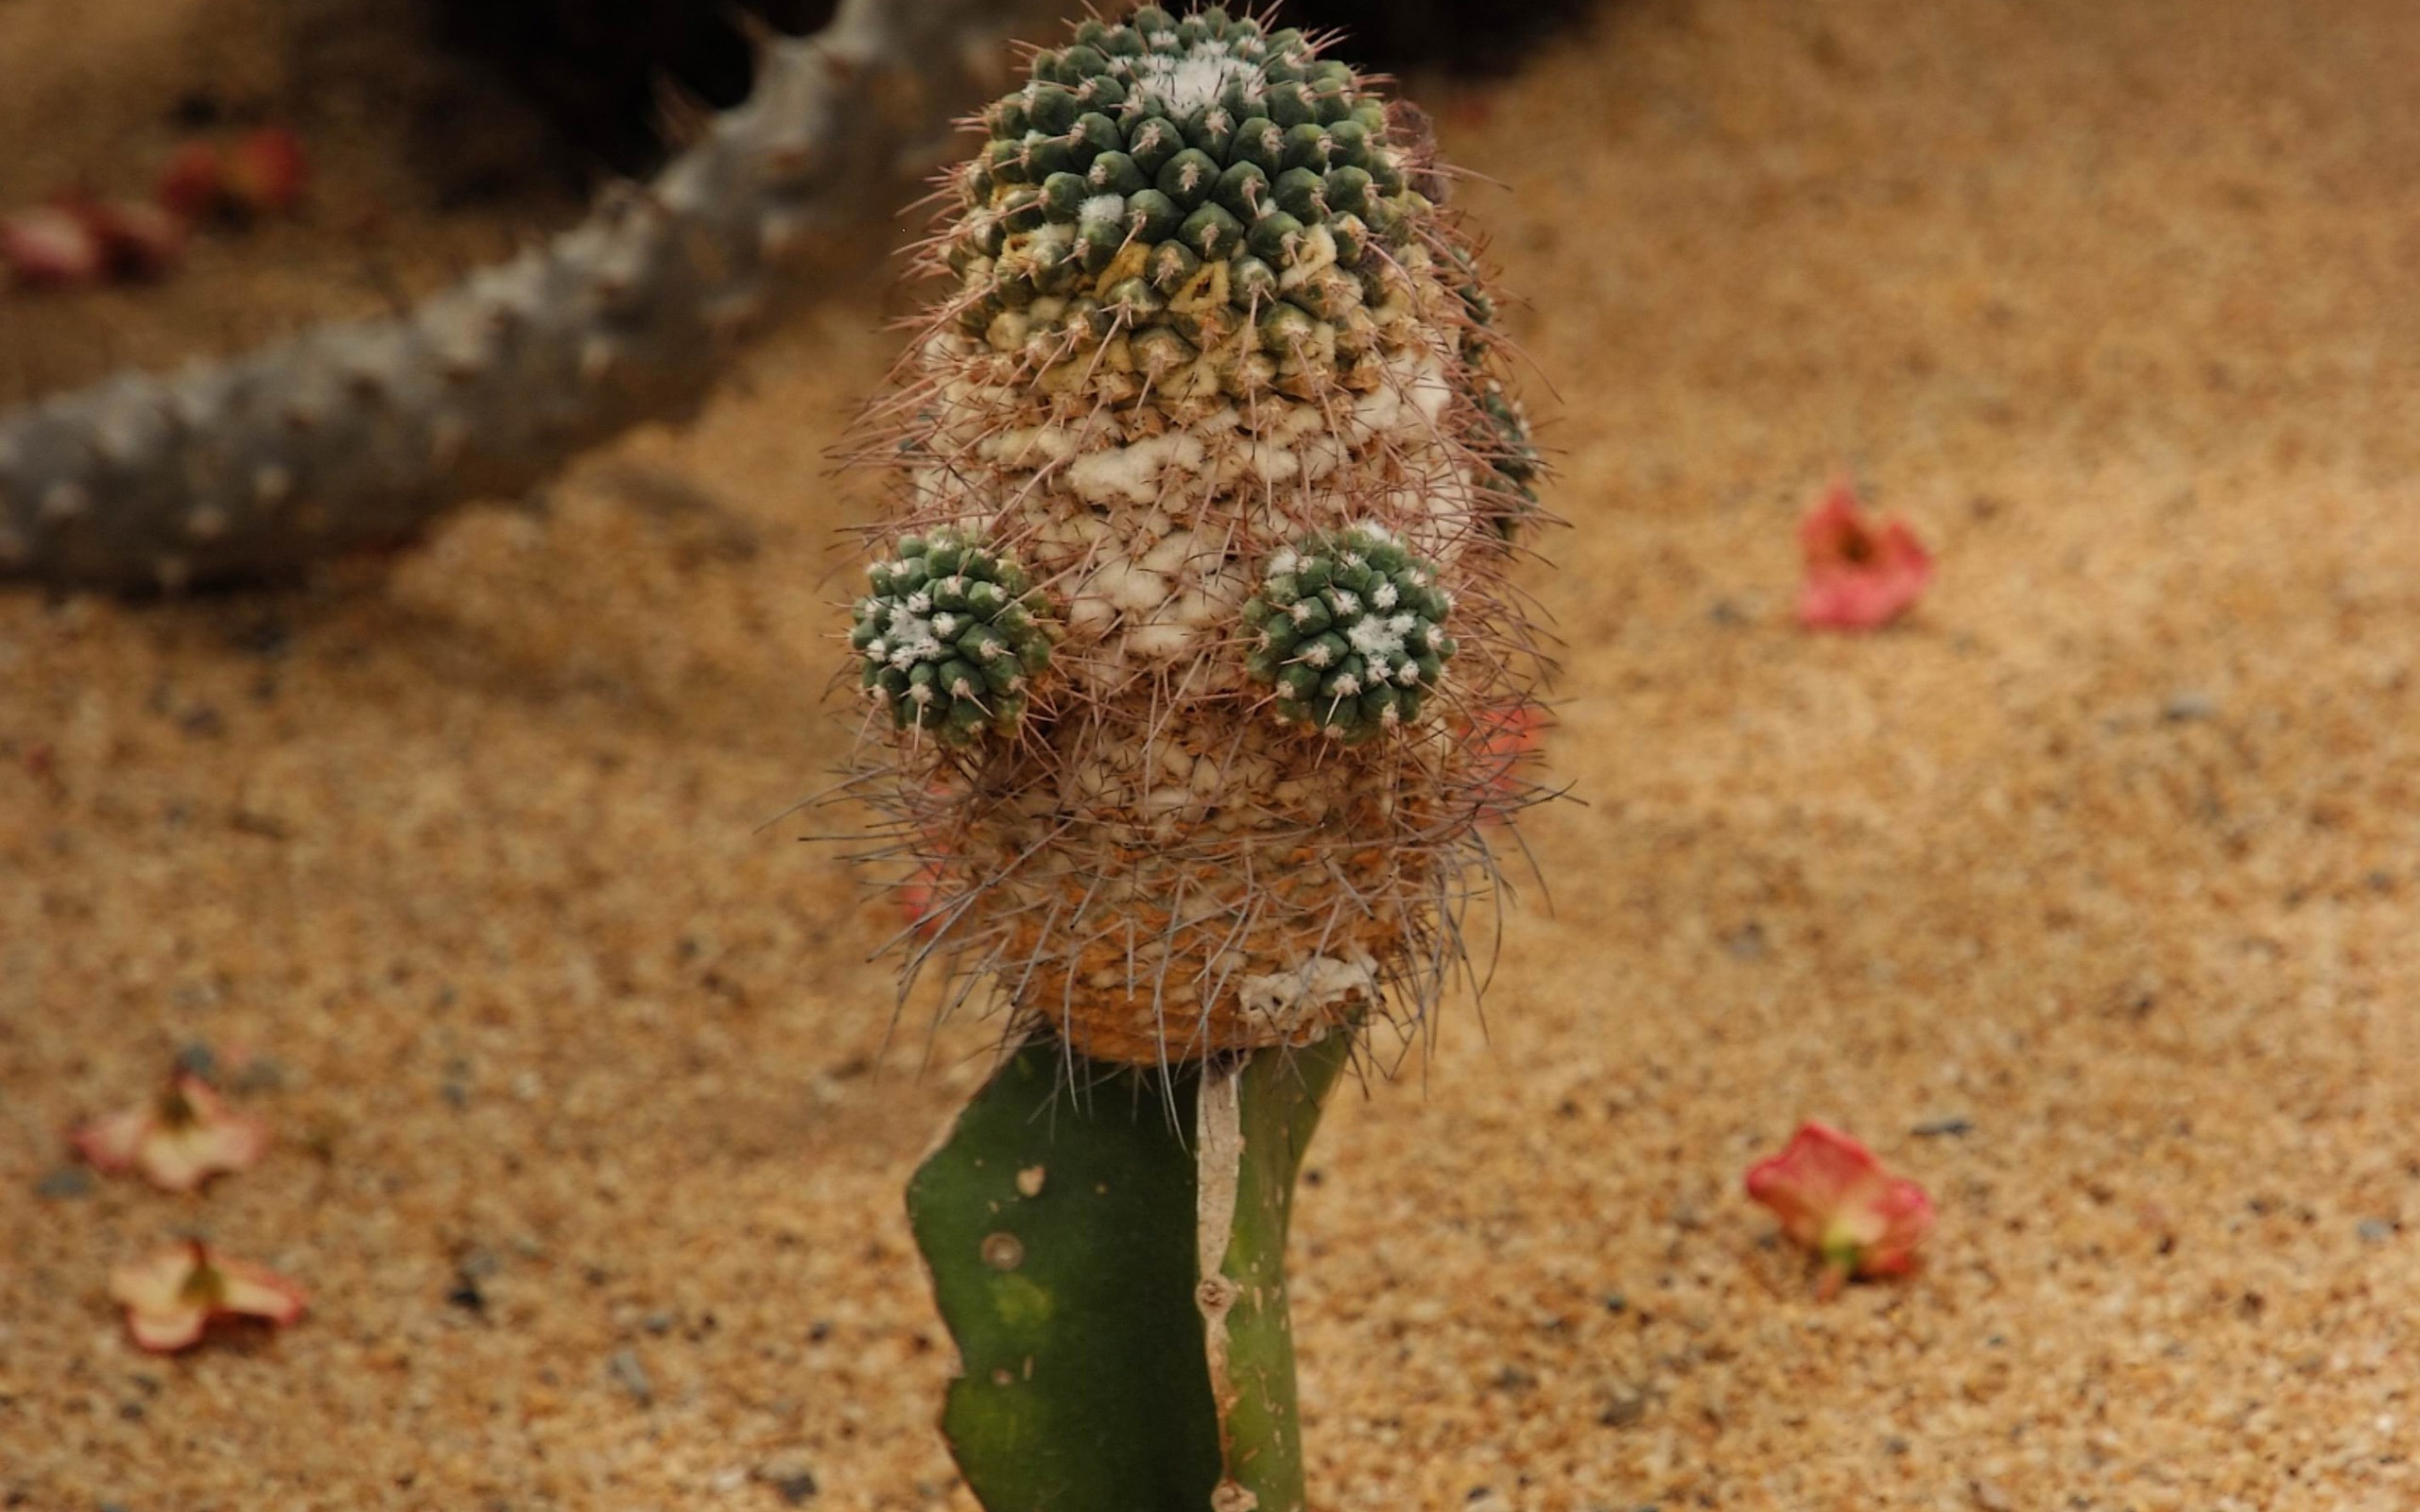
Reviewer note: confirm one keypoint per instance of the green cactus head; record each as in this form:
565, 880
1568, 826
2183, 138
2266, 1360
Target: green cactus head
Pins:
950, 637
1352, 633
1199, 181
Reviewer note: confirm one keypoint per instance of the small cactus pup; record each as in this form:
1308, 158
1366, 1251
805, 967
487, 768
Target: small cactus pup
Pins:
948, 637
1185, 634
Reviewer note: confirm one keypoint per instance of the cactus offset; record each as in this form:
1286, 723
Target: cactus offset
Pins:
1217, 375
948, 639
1351, 633
1217, 371
358, 434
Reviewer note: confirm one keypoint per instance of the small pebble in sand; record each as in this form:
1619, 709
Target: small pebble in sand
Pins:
2185, 707
790, 1476
631, 1376
67, 1182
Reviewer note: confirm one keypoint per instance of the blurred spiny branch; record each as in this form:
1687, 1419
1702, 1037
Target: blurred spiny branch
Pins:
358, 434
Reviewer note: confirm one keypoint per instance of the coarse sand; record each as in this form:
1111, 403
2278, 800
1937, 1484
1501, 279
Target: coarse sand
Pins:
2086, 896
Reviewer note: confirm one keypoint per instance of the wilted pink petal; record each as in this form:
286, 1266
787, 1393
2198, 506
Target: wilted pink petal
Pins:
1859, 574
179, 1139
138, 240
162, 1311
194, 181
1834, 1198
255, 1291
50, 247
171, 1297
265, 171
109, 1142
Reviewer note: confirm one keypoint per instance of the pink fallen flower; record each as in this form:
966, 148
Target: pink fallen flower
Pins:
1861, 574
179, 1138
265, 172
51, 247
1835, 1198
194, 181
138, 240
172, 1298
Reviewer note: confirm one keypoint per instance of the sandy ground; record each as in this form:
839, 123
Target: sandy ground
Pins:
2110, 853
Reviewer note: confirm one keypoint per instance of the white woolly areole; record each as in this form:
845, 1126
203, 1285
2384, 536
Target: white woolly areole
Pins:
1181, 84
1380, 639
909, 637
1100, 212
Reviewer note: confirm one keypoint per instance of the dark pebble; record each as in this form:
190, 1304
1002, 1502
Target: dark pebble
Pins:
259, 1074
788, 1475
67, 1182
631, 1376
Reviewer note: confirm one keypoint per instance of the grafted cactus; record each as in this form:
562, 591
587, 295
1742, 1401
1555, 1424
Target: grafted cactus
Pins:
1214, 349
357, 434
1218, 372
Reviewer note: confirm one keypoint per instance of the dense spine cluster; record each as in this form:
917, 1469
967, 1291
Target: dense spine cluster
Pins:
1215, 357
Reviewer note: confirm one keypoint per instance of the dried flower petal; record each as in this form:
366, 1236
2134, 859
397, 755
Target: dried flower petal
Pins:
265, 171
50, 247
138, 240
1834, 1198
172, 1298
1861, 574
194, 181
179, 1140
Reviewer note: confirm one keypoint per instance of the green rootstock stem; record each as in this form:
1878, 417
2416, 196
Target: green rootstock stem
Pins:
1069, 1221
